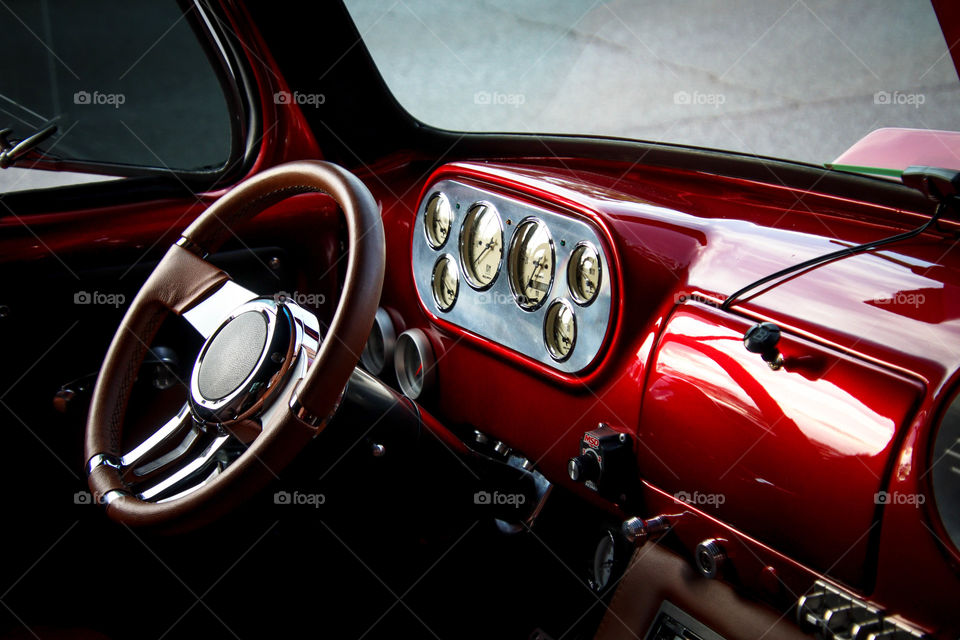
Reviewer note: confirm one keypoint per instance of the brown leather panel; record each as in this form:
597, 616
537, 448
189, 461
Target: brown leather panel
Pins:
182, 279
656, 574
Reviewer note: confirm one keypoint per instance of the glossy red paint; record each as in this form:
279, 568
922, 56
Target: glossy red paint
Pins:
871, 370
677, 234
772, 447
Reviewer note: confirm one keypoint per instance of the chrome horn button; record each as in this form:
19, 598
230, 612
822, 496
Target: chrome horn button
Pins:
244, 362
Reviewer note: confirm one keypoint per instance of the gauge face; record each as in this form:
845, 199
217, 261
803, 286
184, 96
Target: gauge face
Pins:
531, 263
446, 282
604, 559
437, 220
560, 330
584, 273
481, 245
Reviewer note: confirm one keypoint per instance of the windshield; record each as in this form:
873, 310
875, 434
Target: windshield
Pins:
794, 79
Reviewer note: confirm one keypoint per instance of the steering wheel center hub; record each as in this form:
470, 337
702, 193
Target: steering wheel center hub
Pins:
243, 362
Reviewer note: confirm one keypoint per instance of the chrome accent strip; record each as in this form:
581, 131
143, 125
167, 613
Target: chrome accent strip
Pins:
172, 425
192, 247
112, 496
103, 459
302, 414
187, 472
208, 315
830, 612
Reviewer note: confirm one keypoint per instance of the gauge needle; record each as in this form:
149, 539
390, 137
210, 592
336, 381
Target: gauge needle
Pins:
476, 261
539, 264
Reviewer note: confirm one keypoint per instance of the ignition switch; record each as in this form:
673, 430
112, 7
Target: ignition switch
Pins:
605, 463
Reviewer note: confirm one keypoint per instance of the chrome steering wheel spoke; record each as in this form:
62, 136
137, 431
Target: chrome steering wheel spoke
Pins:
211, 312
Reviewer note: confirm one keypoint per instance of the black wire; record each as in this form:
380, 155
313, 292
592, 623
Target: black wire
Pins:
842, 253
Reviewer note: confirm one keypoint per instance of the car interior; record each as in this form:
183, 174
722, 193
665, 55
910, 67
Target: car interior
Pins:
284, 360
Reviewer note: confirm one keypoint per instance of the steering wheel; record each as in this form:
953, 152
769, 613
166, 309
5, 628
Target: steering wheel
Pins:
265, 381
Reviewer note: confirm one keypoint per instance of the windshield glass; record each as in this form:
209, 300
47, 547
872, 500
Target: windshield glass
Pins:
795, 79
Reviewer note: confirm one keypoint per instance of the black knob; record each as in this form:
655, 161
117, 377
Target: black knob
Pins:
763, 338
584, 467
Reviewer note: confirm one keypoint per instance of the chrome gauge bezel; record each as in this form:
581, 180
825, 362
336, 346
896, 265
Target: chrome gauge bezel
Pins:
415, 344
560, 303
466, 266
513, 265
377, 362
573, 268
451, 264
491, 314
431, 241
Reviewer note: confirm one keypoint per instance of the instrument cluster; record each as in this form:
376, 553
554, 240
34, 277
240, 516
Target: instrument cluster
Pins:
531, 279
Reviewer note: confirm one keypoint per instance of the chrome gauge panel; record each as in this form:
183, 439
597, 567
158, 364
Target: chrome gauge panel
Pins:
528, 278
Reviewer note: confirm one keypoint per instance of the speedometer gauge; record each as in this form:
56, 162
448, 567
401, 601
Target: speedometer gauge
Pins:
583, 273
560, 330
481, 245
531, 263
437, 220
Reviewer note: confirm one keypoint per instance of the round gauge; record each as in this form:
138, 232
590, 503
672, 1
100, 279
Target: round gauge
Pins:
608, 562
413, 362
481, 245
379, 348
437, 220
446, 282
560, 330
583, 273
946, 471
531, 263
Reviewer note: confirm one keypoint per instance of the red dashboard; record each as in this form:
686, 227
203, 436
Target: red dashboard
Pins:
787, 465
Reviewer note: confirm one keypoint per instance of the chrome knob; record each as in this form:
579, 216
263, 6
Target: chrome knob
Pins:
638, 530
709, 557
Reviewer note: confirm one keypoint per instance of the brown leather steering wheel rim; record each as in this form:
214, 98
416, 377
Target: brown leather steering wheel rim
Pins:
181, 280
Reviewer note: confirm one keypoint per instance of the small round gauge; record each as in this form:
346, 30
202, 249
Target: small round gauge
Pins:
481, 245
437, 220
531, 263
560, 330
413, 362
446, 282
946, 470
606, 562
379, 348
584, 273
